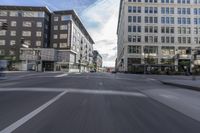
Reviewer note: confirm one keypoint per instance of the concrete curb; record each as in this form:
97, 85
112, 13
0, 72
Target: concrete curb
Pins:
181, 85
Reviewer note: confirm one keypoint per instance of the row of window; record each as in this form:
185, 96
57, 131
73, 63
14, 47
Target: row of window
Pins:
135, 19
63, 18
165, 50
165, 1
60, 45
62, 27
24, 33
164, 10
13, 42
62, 36
151, 10
164, 39
11, 52
24, 24
22, 13
164, 20
164, 29
134, 28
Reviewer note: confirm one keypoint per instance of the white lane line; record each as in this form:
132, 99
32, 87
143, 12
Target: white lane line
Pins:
107, 92
76, 90
32, 89
24, 119
61, 75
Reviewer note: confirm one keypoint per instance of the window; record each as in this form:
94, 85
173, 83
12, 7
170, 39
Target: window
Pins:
163, 20
146, 19
146, 9
139, 19
38, 43
12, 42
134, 38
3, 13
65, 18
12, 33
179, 39
55, 45
139, 9
163, 10
33, 14
134, 29
171, 10
63, 36
27, 24
163, 39
63, 45
139, 29
39, 24
26, 33
129, 38
155, 10
146, 39
139, 39
179, 20
129, 9
2, 52
134, 9
63, 27
13, 13
155, 20
155, 39
134, 19
172, 40
129, 19
134, 49
2, 42
129, 29
55, 36
11, 52
13, 23
146, 29
55, 18
55, 27
2, 32
38, 33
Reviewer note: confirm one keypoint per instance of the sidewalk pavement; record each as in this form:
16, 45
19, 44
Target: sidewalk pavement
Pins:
184, 83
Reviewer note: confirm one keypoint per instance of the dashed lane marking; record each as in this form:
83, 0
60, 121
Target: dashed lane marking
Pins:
61, 75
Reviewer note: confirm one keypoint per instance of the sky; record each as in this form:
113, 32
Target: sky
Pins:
100, 18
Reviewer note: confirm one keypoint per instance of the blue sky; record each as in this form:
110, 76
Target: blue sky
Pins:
99, 17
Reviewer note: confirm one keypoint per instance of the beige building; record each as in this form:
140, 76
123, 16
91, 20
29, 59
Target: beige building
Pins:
160, 33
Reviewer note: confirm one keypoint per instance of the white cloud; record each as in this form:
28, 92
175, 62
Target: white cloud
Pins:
101, 20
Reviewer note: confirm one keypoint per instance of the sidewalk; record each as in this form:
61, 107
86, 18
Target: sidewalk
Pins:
183, 83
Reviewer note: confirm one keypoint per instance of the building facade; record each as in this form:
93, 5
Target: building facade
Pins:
32, 24
72, 41
97, 61
55, 40
157, 32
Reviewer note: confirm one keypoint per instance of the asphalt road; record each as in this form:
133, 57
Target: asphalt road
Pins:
88, 103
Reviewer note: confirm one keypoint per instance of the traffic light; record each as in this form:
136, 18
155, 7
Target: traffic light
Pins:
4, 26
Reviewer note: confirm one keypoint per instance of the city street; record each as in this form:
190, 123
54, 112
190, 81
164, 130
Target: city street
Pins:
56, 102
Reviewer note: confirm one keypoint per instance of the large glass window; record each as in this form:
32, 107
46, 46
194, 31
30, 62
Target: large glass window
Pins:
134, 49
